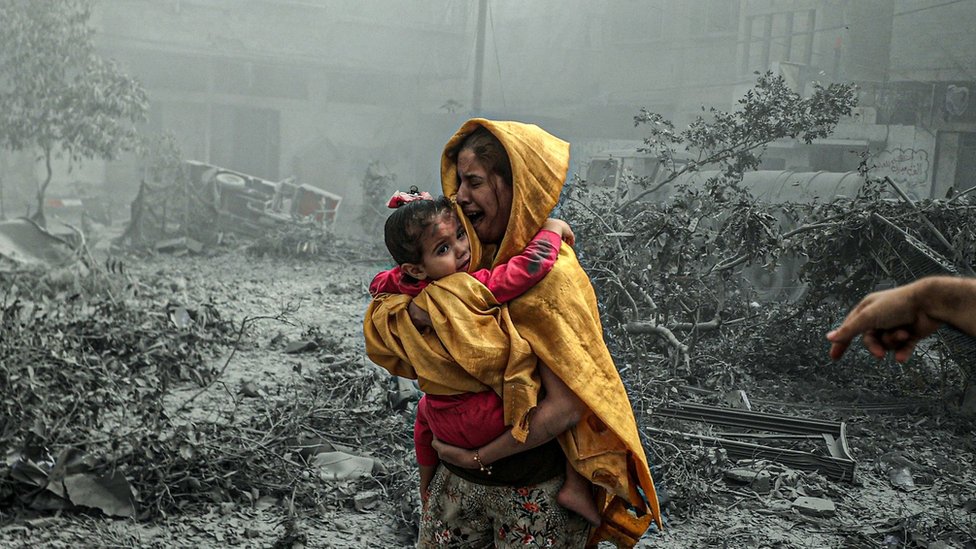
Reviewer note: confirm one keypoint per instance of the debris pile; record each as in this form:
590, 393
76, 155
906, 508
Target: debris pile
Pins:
92, 419
25, 245
207, 203
85, 361
802, 471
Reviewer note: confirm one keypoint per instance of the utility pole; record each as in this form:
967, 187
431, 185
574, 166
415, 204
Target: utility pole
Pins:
479, 57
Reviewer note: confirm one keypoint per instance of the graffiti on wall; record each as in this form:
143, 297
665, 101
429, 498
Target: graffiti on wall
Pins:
907, 167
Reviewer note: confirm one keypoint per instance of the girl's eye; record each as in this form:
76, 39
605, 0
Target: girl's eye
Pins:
442, 250
462, 234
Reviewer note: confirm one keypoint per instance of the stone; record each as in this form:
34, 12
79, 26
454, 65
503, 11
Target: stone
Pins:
300, 347
779, 506
757, 480
901, 477
814, 507
366, 501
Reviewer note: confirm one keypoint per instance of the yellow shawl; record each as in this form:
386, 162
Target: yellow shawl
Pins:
557, 320
476, 334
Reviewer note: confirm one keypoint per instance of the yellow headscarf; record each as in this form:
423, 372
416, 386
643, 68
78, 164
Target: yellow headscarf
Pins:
557, 321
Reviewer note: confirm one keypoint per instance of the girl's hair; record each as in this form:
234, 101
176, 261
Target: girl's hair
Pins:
407, 223
488, 150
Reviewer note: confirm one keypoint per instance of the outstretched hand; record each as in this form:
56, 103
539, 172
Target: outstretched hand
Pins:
891, 320
455, 455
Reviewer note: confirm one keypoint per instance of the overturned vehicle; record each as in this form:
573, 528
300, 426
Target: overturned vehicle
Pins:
211, 201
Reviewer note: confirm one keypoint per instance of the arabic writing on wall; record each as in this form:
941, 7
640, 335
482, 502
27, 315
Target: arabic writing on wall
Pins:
906, 166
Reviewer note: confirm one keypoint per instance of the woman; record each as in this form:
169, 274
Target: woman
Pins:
506, 178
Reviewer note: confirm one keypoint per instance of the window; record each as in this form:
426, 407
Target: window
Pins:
722, 16
259, 80
801, 43
602, 172
167, 71
778, 37
712, 17
246, 139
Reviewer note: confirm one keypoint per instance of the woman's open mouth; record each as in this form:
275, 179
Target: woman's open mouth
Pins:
474, 217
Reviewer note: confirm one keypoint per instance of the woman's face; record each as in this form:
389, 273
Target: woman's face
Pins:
484, 197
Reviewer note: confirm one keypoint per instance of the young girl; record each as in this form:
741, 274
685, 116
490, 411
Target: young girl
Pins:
428, 242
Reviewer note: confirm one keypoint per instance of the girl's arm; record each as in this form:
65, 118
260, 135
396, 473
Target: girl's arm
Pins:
426, 475
392, 282
514, 277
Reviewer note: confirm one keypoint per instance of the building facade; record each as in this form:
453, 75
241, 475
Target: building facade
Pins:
317, 90
321, 90
914, 62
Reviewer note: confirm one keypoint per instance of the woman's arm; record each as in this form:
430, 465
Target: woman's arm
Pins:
419, 317
558, 411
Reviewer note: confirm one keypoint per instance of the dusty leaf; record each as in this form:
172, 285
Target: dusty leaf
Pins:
111, 493
265, 502
341, 466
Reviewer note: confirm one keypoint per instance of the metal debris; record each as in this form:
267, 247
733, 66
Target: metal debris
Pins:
839, 465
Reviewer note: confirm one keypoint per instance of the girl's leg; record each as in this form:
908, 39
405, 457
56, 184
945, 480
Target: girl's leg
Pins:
576, 494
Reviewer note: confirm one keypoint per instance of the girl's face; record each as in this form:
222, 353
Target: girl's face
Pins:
445, 248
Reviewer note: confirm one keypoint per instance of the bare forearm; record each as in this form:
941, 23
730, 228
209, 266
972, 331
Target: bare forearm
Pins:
559, 411
951, 300
543, 427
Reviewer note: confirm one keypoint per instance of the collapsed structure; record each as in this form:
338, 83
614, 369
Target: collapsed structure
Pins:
209, 201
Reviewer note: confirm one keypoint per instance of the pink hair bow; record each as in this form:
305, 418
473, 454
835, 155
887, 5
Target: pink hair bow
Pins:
400, 198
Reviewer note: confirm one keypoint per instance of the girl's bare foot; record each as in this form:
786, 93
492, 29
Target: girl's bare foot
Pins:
577, 498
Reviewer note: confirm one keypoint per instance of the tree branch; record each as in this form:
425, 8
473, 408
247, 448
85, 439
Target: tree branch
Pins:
681, 350
960, 262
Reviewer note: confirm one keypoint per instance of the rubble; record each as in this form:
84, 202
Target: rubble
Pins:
839, 465
186, 216
25, 244
402, 392
814, 507
367, 501
179, 245
303, 346
737, 399
757, 480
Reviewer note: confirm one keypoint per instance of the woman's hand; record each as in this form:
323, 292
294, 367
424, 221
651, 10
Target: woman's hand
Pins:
455, 455
419, 317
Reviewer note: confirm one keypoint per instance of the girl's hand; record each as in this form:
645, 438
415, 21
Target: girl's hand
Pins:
455, 455
561, 228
